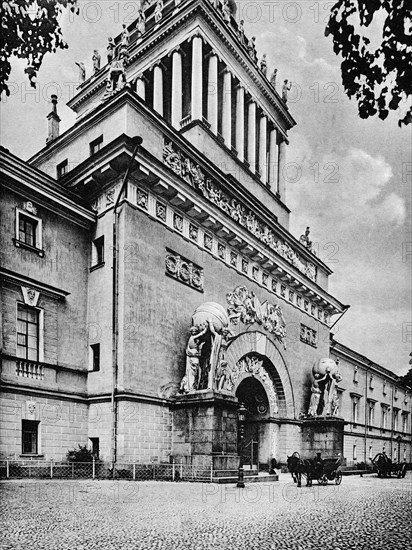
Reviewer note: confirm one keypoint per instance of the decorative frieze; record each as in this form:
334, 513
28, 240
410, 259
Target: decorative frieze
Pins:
150, 204
245, 306
184, 270
194, 176
308, 336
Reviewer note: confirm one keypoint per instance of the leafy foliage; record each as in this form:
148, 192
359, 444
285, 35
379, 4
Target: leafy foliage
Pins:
379, 78
82, 454
29, 30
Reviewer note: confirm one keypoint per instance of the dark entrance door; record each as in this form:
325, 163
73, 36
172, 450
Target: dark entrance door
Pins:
252, 394
251, 445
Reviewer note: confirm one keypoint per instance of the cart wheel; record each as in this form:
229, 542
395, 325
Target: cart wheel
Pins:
323, 480
338, 478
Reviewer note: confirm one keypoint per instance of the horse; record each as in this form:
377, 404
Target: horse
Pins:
298, 467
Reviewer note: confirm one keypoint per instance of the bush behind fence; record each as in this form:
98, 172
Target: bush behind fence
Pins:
11, 469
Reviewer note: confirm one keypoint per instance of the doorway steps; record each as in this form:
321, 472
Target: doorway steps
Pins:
250, 476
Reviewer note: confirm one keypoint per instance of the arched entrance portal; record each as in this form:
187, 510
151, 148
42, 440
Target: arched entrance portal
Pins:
252, 394
260, 379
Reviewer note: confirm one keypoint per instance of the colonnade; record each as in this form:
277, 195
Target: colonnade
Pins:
218, 98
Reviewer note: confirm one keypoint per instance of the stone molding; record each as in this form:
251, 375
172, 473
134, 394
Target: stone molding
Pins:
184, 270
195, 177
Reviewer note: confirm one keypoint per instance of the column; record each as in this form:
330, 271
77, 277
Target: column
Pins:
263, 145
158, 89
240, 123
141, 87
177, 92
281, 167
273, 161
227, 109
212, 93
251, 137
197, 78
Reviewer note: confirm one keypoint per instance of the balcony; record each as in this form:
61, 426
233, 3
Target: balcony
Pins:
29, 369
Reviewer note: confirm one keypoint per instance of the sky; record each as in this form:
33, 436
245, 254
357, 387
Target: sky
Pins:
349, 179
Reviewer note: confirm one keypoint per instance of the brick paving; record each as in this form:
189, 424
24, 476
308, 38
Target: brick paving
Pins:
363, 513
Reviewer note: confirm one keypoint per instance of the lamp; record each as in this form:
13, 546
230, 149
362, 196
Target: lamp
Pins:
241, 421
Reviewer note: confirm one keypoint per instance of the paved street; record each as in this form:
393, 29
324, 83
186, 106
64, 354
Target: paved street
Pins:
363, 513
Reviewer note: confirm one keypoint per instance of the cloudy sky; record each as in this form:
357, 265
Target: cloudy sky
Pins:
349, 179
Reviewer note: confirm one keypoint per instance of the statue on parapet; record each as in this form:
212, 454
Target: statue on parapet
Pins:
227, 11
141, 23
273, 78
304, 239
252, 48
241, 32
110, 49
96, 61
285, 89
158, 13
264, 65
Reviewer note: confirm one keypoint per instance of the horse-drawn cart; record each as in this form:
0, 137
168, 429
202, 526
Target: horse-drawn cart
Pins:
385, 467
323, 470
331, 471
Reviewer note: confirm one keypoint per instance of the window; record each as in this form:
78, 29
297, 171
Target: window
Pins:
355, 408
96, 145
370, 452
29, 437
395, 419
28, 231
385, 410
384, 387
395, 395
98, 252
404, 422
95, 446
27, 333
95, 349
62, 168
354, 453
371, 385
355, 375
371, 413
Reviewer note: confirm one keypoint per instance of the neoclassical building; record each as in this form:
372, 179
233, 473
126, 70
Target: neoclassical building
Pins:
149, 279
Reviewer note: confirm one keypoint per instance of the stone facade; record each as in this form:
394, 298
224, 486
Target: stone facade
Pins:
104, 274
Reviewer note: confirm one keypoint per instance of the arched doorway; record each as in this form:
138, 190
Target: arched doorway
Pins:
252, 394
257, 368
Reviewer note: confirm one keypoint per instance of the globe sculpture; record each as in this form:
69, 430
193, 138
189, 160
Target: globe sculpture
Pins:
212, 313
322, 366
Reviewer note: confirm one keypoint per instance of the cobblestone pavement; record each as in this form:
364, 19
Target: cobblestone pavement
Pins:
362, 513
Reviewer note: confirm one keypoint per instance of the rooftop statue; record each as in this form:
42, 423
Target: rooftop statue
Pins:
158, 13
241, 32
273, 78
82, 71
110, 49
124, 43
264, 65
96, 61
285, 89
252, 49
227, 11
141, 23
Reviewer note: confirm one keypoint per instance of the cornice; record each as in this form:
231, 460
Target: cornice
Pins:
28, 181
19, 279
360, 360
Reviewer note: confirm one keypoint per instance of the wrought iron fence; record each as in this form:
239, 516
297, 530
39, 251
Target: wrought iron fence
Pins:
12, 469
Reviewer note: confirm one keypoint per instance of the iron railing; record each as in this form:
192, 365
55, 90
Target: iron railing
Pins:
37, 469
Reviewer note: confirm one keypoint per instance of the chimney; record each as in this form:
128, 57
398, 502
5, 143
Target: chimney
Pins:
54, 120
